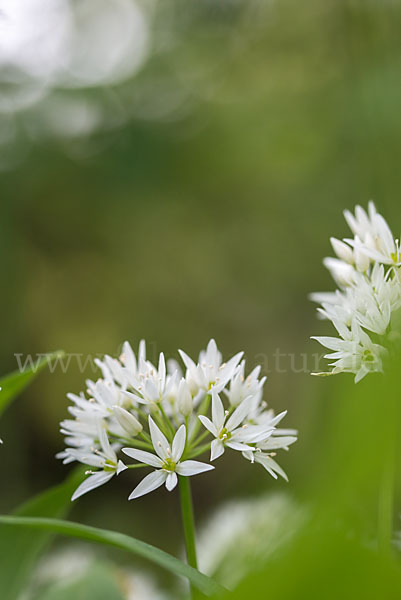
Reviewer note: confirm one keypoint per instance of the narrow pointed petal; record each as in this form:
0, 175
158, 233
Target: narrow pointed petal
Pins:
159, 440
274, 443
171, 481
188, 362
121, 467
217, 449
238, 446
144, 457
218, 414
193, 467
239, 414
148, 484
270, 465
178, 444
206, 422
92, 482
162, 369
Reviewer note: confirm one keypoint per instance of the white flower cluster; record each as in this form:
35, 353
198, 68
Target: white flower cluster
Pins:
367, 272
155, 416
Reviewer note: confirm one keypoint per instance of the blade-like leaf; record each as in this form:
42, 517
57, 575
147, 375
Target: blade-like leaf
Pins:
19, 548
124, 542
13, 384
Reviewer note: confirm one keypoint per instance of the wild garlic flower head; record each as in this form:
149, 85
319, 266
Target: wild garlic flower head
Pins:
367, 272
164, 417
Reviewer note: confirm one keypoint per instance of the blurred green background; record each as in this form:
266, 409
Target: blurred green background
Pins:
199, 205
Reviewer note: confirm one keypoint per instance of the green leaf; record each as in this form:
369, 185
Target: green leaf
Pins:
99, 582
13, 384
19, 549
204, 584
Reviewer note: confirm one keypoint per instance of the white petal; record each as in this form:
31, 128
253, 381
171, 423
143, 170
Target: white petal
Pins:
105, 444
188, 362
238, 446
218, 414
239, 414
217, 449
192, 467
144, 457
134, 397
92, 482
178, 444
162, 370
129, 357
270, 465
171, 481
148, 484
275, 443
159, 440
208, 424
121, 467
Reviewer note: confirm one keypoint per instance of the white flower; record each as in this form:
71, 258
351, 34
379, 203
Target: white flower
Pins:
143, 408
241, 387
267, 462
373, 236
210, 372
153, 386
368, 275
167, 460
227, 430
104, 459
353, 353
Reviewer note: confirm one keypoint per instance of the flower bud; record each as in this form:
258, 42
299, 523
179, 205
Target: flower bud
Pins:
184, 399
342, 273
342, 250
362, 261
128, 421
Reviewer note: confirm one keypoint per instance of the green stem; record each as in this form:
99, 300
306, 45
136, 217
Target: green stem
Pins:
201, 437
133, 442
188, 523
386, 496
197, 451
203, 408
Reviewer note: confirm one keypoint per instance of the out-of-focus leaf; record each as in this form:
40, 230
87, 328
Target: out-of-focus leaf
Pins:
19, 548
13, 384
98, 583
324, 562
204, 584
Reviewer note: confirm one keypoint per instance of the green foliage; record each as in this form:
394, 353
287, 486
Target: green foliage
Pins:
13, 384
19, 548
118, 540
325, 562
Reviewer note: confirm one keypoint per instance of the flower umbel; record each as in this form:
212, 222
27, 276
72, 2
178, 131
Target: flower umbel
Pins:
154, 415
367, 272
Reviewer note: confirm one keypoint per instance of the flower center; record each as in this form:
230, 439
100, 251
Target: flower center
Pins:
109, 466
368, 356
224, 434
169, 465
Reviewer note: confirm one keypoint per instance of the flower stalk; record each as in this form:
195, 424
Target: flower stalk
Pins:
387, 488
188, 522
